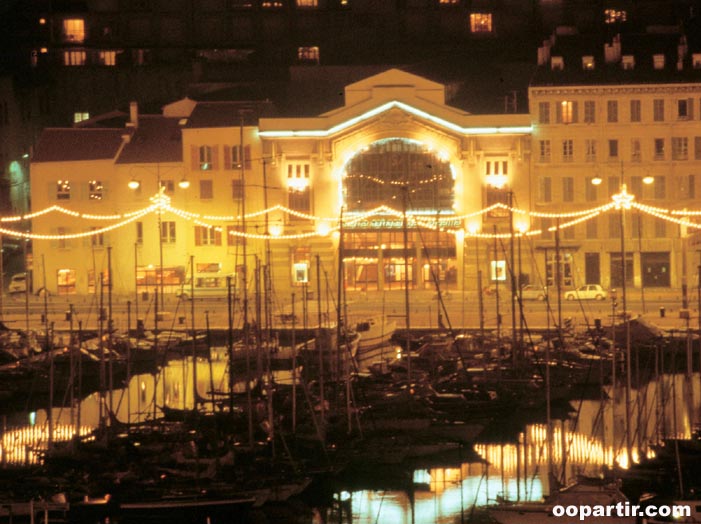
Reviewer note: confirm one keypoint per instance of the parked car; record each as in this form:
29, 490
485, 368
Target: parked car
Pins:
587, 292
18, 284
533, 292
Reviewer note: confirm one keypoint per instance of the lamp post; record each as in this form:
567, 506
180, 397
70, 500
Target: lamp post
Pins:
623, 202
135, 184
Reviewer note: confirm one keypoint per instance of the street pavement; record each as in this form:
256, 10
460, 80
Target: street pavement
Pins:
457, 310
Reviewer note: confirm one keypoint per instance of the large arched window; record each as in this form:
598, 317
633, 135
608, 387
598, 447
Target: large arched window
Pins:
377, 176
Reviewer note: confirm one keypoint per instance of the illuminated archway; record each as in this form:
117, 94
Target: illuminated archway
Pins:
400, 173
378, 174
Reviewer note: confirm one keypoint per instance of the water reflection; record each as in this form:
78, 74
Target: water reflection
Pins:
592, 439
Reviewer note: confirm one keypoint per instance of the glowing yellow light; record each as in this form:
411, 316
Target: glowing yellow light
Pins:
623, 200
497, 181
276, 230
134, 184
323, 229
596, 181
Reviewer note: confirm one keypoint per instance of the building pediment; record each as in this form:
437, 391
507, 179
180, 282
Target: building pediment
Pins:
393, 92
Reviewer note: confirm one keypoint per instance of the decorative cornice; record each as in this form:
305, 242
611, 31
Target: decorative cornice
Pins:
600, 90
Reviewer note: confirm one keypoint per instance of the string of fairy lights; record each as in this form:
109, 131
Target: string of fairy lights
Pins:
161, 204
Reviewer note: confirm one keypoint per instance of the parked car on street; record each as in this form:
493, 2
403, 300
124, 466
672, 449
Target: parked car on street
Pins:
587, 292
533, 292
18, 284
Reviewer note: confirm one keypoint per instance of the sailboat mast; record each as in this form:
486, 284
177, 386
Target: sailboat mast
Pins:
407, 311
192, 326
319, 348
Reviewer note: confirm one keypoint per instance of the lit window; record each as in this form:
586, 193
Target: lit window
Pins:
300, 272
481, 22
65, 281
307, 3
63, 190
79, 116
205, 158
496, 172
74, 30
308, 54
95, 190
557, 63
696, 60
567, 112
449, 2
628, 62
588, 63
74, 58
612, 16
298, 176
658, 61
107, 58
275, 4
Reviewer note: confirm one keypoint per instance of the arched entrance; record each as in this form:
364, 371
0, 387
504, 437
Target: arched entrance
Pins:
406, 176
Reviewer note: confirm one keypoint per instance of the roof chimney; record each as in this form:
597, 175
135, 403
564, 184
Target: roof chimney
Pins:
133, 114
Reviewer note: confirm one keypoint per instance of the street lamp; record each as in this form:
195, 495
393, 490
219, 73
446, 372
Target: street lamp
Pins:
623, 201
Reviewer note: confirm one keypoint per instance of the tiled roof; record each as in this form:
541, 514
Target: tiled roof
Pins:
65, 145
228, 114
155, 139
641, 46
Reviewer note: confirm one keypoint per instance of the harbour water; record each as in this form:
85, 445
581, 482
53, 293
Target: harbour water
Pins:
441, 491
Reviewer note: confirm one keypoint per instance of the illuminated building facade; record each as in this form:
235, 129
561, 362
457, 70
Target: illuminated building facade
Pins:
394, 143
407, 188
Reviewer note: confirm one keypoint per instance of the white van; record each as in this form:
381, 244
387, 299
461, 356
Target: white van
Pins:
206, 286
18, 283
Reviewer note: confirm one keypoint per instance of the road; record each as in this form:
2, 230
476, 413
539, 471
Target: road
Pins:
458, 310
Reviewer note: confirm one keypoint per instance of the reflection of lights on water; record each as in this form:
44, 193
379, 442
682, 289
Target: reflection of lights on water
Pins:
580, 449
23, 446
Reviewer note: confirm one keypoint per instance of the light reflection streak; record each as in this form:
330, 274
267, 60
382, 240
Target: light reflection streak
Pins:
442, 493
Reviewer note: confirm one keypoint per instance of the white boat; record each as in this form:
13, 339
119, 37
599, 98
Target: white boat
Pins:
608, 504
374, 332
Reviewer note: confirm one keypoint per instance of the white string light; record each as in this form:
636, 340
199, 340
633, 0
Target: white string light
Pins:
162, 203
